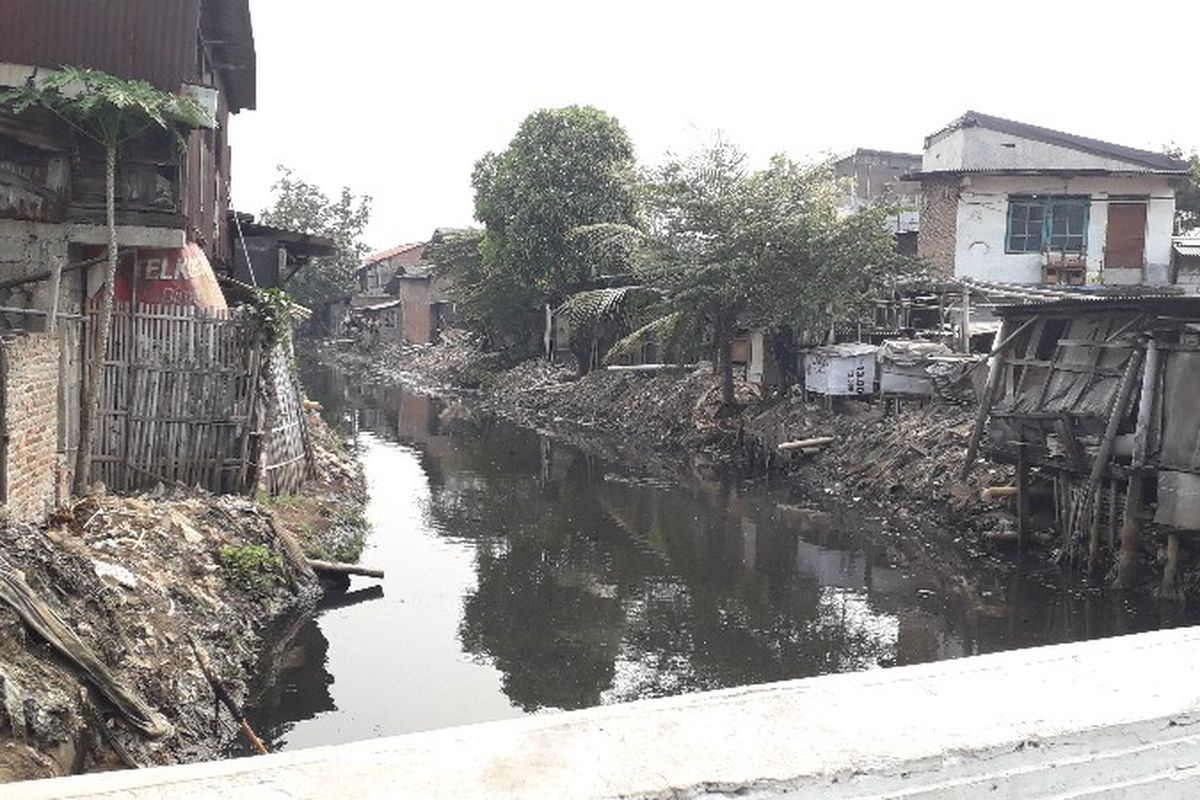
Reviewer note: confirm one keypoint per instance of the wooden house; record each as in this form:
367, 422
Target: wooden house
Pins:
1095, 401
188, 388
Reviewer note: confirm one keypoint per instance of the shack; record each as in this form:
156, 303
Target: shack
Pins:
1095, 401
842, 370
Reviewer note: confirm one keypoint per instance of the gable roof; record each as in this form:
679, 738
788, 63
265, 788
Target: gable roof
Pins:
392, 252
1146, 159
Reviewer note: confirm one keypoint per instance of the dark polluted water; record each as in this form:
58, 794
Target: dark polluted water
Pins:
524, 575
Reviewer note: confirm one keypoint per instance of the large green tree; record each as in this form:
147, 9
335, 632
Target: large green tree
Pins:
566, 168
303, 206
110, 112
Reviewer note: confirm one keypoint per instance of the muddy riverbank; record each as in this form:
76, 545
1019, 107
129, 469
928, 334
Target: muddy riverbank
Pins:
901, 468
898, 468
133, 577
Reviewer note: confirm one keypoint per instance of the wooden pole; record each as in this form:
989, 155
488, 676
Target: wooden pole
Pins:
223, 696
1170, 580
1131, 527
1116, 413
1094, 532
965, 332
55, 283
339, 568
1022, 494
985, 402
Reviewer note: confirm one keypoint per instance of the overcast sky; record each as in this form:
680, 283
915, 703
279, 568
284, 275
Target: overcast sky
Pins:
398, 99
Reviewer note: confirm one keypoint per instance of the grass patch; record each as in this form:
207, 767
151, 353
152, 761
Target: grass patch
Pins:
251, 567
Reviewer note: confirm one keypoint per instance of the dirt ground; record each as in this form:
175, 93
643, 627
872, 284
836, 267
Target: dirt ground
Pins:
132, 576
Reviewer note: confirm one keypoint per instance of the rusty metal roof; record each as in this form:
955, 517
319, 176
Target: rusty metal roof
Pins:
151, 40
154, 40
391, 252
229, 35
1173, 305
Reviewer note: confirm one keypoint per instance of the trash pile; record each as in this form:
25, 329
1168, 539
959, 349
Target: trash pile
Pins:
126, 581
131, 577
915, 455
667, 409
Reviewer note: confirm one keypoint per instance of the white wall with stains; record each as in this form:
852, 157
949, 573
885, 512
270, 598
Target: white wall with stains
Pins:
982, 223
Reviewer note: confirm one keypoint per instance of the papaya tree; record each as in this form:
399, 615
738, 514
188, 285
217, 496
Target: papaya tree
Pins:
111, 112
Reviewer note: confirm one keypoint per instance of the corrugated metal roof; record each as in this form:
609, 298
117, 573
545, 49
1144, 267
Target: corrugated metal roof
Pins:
1187, 247
379, 306
1179, 305
229, 33
154, 40
151, 40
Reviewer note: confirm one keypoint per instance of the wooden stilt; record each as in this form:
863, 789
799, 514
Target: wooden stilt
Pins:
1131, 532
1094, 530
985, 403
1131, 528
1170, 580
1057, 502
1022, 495
1112, 514
1115, 414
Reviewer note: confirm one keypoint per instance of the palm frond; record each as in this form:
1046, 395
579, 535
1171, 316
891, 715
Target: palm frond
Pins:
662, 329
594, 305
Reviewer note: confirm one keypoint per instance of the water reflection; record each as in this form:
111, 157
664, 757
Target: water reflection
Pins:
528, 575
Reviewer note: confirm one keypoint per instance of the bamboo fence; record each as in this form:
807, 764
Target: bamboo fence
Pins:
184, 398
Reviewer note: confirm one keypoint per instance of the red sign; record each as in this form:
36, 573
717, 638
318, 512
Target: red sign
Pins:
181, 277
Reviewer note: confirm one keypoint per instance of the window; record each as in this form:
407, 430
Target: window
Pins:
1037, 223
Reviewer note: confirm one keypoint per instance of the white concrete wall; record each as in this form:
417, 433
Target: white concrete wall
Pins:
979, 148
982, 222
944, 154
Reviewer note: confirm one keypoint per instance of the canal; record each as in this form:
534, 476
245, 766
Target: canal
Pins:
525, 575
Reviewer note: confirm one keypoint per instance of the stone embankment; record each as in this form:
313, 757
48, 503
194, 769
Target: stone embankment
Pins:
133, 578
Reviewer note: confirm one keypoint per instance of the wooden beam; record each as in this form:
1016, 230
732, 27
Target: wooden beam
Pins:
1131, 527
985, 403
1116, 413
1022, 495
1002, 344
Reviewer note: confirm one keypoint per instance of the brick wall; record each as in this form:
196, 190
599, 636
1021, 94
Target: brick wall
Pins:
939, 215
29, 423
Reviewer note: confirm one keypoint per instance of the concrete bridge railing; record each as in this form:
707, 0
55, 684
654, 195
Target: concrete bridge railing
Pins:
1112, 718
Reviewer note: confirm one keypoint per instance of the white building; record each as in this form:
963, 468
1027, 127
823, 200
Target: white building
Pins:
1010, 202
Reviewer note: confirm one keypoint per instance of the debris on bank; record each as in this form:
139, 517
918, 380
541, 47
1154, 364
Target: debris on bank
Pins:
901, 466
132, 578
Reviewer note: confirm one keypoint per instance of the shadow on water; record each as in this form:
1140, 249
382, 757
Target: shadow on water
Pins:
525, 575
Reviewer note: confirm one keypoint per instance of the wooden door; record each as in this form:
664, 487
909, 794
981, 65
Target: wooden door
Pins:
1125, 242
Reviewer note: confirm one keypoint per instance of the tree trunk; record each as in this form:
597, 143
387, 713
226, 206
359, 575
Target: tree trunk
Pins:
90, 408
723, 341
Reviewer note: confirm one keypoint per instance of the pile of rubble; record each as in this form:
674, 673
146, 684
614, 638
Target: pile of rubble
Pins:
132, 577
664, 409
914, 456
